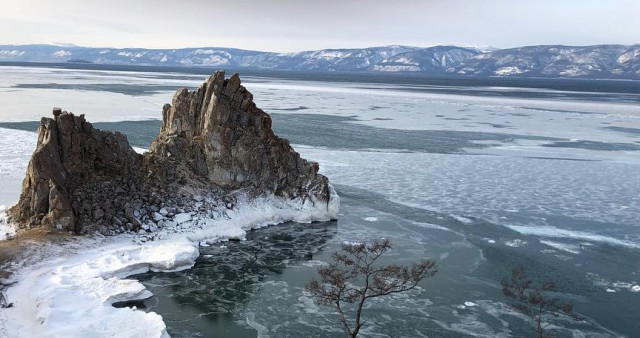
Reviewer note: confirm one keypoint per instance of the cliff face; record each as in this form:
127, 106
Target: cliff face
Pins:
213, 140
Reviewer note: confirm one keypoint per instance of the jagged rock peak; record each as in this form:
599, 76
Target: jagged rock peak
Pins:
218, 130
214, 140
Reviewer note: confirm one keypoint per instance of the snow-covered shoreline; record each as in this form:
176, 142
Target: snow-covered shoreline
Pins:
5, 229
70, 293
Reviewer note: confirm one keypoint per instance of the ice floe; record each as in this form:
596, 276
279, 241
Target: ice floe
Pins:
574, 249
611, 286
553, 232
516, 243
462, 219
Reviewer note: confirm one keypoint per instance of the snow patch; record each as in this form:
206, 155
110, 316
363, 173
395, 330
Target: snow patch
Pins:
11, 53
62, 53
204, 51
396, 68
215, 60
508, 71
181, 218
6, 229
629, 55
139, 150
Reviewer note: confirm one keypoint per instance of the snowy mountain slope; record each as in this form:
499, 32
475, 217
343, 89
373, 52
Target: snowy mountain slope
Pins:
321, 60
434, 59
628, 62
329, 59
126, 56
600, 61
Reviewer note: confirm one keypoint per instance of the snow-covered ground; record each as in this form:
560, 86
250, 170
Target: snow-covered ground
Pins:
73, 297
71, 293
5, 229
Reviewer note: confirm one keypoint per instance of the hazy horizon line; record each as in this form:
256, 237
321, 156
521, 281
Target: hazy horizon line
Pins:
479, 47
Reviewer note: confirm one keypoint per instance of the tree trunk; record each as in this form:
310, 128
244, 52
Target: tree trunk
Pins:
539, 329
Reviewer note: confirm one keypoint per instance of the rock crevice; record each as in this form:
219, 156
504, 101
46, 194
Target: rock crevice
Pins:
213, 140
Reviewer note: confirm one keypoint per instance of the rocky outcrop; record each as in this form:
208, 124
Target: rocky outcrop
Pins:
70, 158
220, 133
214, 140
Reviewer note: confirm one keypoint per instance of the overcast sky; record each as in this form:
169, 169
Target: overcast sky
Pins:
294, 25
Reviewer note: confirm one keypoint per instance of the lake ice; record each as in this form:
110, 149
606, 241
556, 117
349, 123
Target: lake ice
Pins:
546, 178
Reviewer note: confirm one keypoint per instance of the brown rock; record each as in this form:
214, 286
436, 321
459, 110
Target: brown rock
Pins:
213, 137
69, 155
221, 134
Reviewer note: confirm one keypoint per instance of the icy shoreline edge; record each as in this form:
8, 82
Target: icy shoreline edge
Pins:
71, 293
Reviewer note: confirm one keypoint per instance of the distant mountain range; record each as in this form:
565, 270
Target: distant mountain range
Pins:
601, 61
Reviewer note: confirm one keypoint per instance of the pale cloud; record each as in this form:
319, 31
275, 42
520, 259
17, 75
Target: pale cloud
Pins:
288, 25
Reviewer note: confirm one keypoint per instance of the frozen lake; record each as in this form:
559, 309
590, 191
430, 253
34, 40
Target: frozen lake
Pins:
479, 178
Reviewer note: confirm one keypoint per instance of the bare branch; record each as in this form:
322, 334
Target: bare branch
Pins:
534, 301
357, 262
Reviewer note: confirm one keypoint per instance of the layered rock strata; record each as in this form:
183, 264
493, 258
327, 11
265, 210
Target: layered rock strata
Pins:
214, 142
